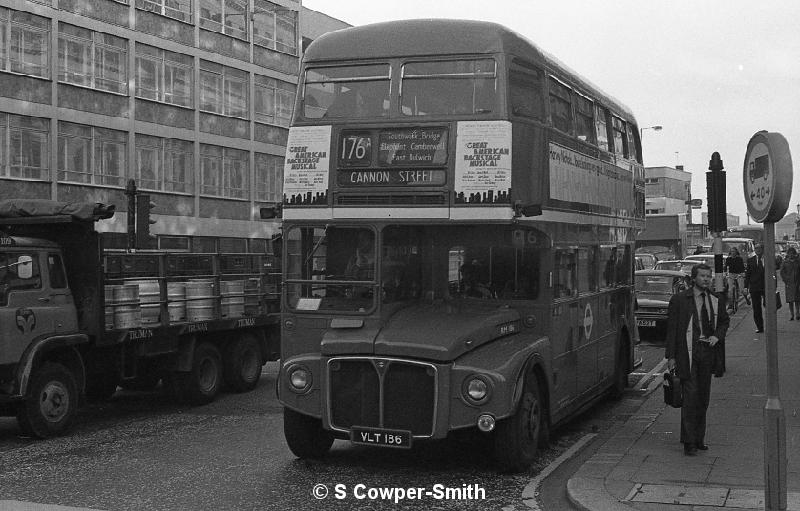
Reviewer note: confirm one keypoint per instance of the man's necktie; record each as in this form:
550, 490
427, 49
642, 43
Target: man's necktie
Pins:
706, 324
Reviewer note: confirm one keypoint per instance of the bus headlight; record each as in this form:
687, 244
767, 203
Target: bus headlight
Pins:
299, 378
476, 389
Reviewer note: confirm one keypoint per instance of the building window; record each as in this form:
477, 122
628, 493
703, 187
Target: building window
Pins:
275, 27
91, 155
223, 90
164, 76
226, 16
24, 43
178, 9
163, 164
92, 59
24, 147
274, 101
269, 177
224, 172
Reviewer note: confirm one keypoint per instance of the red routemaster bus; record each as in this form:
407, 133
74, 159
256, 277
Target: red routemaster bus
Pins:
459, 218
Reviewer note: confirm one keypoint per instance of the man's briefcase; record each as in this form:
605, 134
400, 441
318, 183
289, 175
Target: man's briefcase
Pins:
673, 392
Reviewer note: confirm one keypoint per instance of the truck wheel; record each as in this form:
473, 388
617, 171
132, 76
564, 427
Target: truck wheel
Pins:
243, 364
51, 403
518, 438
305, 436
202, 384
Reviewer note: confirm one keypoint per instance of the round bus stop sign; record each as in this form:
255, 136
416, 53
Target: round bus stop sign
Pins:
767, 176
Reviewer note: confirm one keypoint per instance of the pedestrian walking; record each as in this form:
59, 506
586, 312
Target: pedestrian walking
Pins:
734, 267
697, 323
754, 282
790, 275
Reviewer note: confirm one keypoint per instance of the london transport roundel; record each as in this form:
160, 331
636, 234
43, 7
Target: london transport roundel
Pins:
767, 176
588, 321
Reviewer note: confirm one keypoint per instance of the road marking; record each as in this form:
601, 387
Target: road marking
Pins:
657, 369
531, 491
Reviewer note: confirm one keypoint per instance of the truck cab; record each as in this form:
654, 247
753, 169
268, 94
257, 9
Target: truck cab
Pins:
35, 298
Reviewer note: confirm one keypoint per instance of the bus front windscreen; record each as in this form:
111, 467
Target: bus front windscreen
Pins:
353, 269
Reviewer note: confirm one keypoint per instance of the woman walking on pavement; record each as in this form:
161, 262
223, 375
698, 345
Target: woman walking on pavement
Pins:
790, 274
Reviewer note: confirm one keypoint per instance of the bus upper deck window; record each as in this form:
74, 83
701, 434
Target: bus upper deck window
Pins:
450, 87
526, 95
346, 92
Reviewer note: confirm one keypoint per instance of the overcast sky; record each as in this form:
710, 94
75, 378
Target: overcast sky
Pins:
712, 73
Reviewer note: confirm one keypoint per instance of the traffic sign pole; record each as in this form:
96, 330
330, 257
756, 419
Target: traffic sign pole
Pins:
767, 179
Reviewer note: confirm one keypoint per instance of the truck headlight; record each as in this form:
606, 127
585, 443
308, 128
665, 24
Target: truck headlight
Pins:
299, 378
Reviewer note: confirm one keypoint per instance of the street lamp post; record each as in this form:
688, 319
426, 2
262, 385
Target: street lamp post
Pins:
657, 127
654, 128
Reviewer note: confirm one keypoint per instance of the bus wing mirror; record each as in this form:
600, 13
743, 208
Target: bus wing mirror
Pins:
270, 212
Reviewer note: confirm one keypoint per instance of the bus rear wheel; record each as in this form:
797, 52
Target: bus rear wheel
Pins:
51, 404
517, 439
305, 435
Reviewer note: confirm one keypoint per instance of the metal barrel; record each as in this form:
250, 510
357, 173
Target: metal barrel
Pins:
149, 297
109, 306
127, 313
176, 301
252, 291
199, 300
232, 304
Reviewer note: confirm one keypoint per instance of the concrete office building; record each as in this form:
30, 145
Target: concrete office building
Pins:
191, 98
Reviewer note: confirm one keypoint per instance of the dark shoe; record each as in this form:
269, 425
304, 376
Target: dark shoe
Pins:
759, 330
791, 319
689, 450
702, 447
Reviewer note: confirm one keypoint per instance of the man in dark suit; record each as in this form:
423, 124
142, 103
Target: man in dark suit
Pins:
754, 282
695, 349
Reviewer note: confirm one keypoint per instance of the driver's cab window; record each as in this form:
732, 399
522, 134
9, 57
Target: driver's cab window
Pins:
19, 271
504, 272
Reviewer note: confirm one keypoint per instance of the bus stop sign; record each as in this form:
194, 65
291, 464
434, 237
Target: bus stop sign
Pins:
767, 177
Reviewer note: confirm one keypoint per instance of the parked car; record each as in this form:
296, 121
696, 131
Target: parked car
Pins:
744, 245
647, 260
707, 259
684, 265
654, 288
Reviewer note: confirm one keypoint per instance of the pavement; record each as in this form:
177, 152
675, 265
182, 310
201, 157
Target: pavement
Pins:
642, 465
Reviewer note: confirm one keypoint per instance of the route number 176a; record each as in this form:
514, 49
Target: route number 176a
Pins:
355, 149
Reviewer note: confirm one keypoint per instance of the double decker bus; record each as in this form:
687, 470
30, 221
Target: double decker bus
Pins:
459, 219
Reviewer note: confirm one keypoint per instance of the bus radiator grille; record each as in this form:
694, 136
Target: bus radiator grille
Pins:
409, 395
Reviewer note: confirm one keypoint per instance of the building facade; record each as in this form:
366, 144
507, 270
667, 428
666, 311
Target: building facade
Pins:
666, 190
190, 98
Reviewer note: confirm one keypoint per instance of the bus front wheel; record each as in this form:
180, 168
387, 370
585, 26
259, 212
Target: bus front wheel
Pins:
305, 435
517, 439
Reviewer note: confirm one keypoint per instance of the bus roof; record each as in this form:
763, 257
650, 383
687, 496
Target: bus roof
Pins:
410, 38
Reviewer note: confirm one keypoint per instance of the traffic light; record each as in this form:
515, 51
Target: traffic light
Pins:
715, 190
143, 221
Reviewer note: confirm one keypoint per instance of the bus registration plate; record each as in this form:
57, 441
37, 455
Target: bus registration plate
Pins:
646, 322
381, 437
